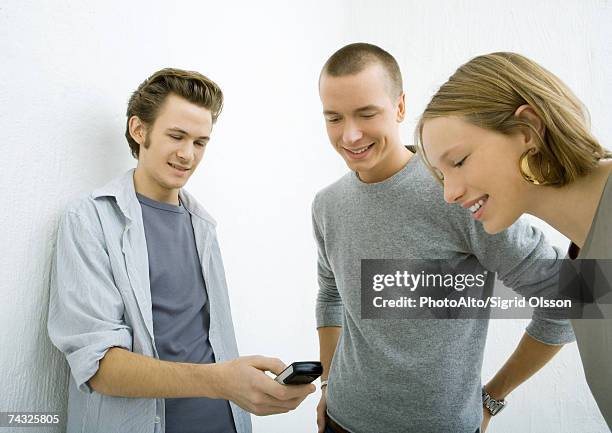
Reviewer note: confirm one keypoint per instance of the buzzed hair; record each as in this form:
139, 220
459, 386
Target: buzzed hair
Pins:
354, 58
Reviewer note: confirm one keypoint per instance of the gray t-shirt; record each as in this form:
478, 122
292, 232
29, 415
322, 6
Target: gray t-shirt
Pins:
394, 375
180, 312
594, 336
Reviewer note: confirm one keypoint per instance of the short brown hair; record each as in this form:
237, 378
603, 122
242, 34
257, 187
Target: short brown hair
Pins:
354, 58
487, 91
146, 101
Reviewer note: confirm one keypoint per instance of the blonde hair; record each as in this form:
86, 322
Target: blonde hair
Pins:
486, 92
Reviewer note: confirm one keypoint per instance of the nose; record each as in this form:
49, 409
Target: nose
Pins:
453, 189
351, 133
185, 151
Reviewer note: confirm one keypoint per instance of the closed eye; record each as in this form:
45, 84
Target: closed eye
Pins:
459, 163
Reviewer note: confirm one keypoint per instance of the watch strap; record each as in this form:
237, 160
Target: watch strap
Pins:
493, 406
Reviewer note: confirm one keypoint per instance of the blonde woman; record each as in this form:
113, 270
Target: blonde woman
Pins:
507, 137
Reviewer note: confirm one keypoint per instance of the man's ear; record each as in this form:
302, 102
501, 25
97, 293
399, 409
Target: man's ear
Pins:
138, 129
401, 108
528, 114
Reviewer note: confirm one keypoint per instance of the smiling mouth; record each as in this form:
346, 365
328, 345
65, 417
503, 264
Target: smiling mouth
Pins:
476, 207
360, 150
178, 167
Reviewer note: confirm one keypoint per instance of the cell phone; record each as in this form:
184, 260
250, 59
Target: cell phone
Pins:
299, 373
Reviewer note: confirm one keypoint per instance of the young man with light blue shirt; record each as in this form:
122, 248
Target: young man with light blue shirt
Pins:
138, 298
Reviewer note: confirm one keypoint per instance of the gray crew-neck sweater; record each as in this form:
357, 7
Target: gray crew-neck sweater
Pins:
421, 376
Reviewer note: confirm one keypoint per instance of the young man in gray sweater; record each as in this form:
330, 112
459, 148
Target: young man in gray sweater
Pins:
407, 375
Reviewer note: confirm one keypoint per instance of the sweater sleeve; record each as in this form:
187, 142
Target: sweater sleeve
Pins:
329, 308
525, 262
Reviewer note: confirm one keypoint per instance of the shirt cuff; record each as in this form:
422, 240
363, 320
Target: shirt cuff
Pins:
551, 331
85, 361
329, 315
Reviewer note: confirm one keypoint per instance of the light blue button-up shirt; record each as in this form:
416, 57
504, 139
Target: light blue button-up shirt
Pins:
100, 297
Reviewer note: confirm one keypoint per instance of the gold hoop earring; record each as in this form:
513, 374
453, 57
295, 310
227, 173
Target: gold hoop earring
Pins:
525, 170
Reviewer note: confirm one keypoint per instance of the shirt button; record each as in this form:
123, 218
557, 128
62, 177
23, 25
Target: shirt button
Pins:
157, 420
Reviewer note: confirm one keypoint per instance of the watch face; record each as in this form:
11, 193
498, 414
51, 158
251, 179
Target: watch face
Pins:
494, 406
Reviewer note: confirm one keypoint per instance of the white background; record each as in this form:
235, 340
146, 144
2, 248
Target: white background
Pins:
66, 73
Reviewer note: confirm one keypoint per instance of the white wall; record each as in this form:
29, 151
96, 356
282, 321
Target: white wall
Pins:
69, 67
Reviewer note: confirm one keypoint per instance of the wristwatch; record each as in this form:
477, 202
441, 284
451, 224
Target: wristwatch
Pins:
494, 406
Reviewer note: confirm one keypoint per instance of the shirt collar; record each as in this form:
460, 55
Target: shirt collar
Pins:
122, 190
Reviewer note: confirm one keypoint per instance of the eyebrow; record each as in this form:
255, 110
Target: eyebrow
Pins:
179, 130
358, 110
447, 151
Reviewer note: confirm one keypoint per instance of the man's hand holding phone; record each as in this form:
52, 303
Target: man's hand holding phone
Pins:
245, 382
